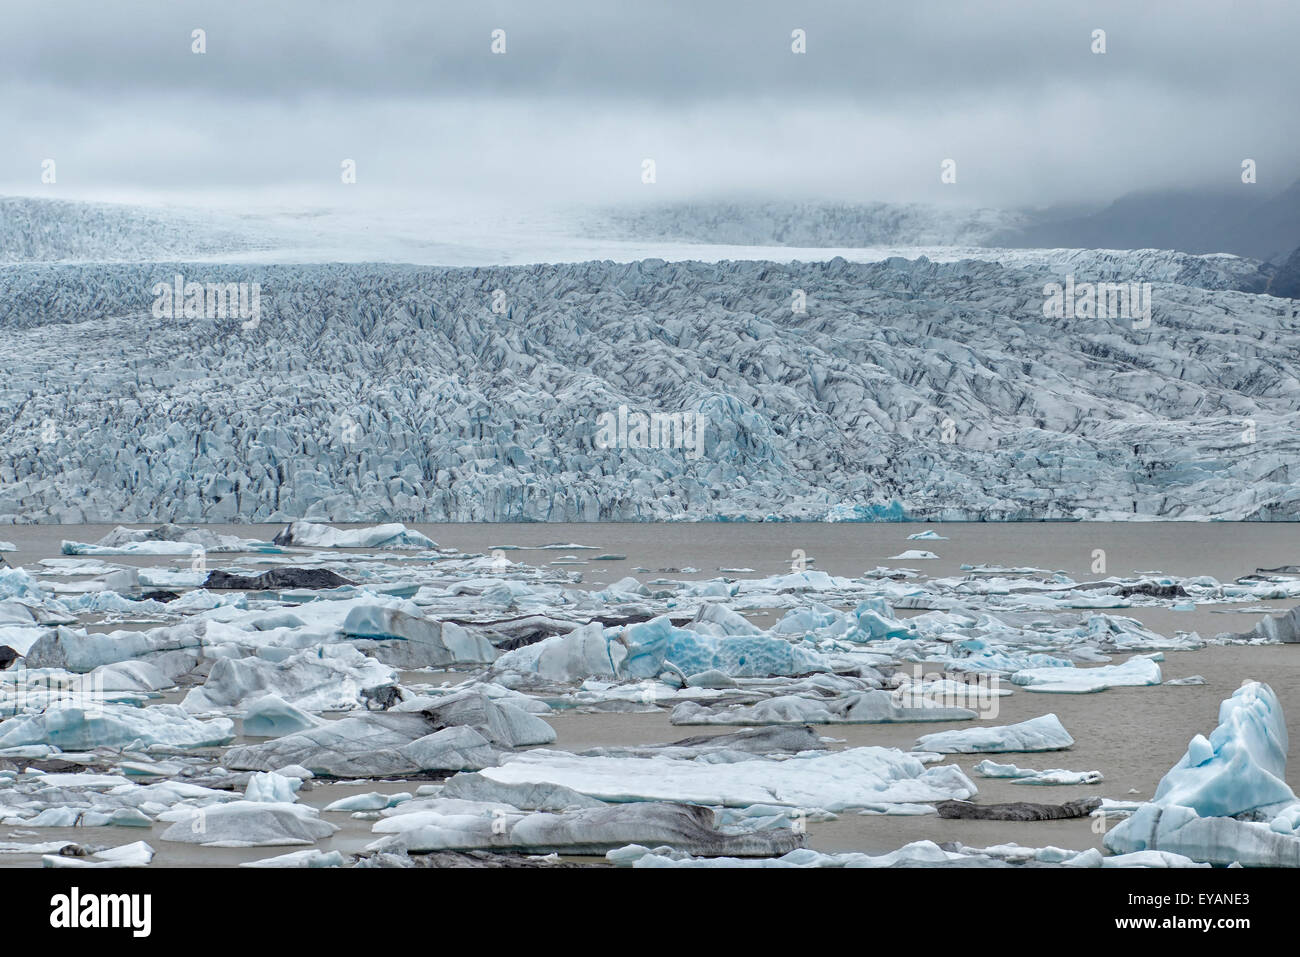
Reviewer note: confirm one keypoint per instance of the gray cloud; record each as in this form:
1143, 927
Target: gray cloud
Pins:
711, 91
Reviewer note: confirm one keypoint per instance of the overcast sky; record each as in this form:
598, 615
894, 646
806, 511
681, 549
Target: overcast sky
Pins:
587, 90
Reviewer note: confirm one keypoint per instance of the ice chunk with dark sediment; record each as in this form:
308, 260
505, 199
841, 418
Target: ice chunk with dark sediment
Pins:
163, 540
391, 535
1214, 840
1018, 810
373, 744
472, 786
277, 579
1284, 628
586, 830
461, 732
329, 678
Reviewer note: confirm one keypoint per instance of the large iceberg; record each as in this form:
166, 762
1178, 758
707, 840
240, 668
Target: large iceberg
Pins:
329, 678
460, 825
114, 726
392, 535
644, 650
1226, 800
1241, 766
869, 777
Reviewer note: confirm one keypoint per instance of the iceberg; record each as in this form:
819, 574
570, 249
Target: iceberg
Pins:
988, 769
1210, 804
1241, 766
246, 824
115, 726
308, 858
462, 732
1138, 671
392, 535
584, 830
1213, 840
407, 641
328, 678
1044, 733
270, 716
869, 777
164, 540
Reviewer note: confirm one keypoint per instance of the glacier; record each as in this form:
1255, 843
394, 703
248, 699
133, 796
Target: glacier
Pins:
908, 388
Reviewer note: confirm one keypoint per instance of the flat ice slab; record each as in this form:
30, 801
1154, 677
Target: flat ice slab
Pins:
856, 778
1044, 733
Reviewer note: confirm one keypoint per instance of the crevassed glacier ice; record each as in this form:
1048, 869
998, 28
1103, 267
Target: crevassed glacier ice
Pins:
1047, 412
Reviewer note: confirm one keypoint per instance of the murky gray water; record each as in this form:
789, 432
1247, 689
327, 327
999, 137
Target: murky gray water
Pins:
1132, 735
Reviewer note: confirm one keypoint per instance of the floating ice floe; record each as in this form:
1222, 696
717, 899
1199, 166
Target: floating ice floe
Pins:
78, 651
452, 824
246, 824
393, 535
644, 650
929, 535
918, 853
329, 678
913, 555
371, 801
463, 732
1138, 671
870, 777
1283, 628
270, 716
138, 854
1044, 733
989, 769
164, 540
308, 858
408, 641
115, 726
863, 707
